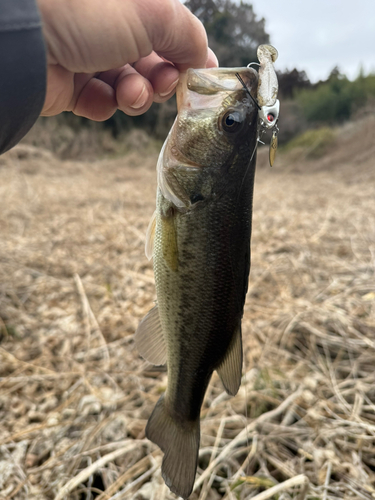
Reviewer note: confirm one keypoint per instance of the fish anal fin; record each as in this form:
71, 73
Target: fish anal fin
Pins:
230, 369
150, 236
149, 338
180, 443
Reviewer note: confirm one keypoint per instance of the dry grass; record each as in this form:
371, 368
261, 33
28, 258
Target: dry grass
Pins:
74, 283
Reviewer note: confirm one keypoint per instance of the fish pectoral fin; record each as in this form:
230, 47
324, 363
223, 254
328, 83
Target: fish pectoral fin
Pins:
180, 443
150, 236
149, 338
230, 370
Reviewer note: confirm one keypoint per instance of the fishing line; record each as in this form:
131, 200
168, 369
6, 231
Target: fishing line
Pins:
247, 169
247, 90
246, 471
247, 460
256, 144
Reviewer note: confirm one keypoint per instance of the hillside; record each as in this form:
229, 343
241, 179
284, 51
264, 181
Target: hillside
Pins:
74, 283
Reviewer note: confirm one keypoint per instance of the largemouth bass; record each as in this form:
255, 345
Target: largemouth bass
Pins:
199, 239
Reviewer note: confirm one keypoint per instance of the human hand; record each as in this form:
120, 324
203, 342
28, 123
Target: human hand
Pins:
118, 54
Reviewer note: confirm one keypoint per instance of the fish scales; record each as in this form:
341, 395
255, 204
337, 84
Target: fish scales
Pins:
203, 301
201, 251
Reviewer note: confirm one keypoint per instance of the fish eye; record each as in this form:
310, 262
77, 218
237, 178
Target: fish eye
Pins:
232, 121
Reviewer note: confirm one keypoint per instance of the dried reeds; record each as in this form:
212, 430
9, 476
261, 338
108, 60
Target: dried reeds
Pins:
74, 283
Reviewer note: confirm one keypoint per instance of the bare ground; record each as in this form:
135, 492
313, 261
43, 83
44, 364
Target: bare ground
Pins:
74, 283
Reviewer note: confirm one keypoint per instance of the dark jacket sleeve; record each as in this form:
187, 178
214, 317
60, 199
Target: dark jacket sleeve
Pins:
22, 69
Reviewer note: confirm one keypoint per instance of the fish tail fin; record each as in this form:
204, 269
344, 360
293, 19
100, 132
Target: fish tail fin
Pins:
180, 444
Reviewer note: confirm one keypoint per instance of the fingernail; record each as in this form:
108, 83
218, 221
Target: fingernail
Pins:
169, 89
211, 55
141, 101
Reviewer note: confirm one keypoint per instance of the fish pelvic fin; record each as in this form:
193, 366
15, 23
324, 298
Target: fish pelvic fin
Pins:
230, 369
180, 444
149, 338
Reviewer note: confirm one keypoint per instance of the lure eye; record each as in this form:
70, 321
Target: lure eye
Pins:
232, 121
270, 117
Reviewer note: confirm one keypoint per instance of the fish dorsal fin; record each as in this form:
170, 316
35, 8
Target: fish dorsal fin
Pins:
149, 338
230, 370
150, 236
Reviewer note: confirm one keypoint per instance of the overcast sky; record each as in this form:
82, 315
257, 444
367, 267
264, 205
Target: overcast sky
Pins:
317, 35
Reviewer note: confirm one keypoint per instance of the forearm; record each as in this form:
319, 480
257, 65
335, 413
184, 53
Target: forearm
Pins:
23, 70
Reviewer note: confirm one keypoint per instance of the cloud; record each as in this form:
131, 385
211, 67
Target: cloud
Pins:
317, 36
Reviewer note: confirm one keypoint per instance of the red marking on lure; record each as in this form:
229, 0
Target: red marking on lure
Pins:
270, 117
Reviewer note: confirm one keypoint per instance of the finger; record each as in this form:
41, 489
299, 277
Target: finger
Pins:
162, 75
134, 93
96, 99
60, 88
110, 76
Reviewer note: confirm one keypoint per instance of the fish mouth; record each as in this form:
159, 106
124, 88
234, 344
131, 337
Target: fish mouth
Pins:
197, 88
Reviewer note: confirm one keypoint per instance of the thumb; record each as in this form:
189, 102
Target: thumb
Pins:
174, 32
91, 35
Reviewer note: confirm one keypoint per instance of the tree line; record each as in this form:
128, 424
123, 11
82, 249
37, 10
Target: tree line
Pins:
234, 33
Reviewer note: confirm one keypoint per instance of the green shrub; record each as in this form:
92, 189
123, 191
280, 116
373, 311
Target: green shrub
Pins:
336, 99
313, 142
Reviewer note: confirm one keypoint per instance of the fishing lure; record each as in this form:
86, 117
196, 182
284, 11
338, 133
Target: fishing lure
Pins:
268, 104
268, 118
